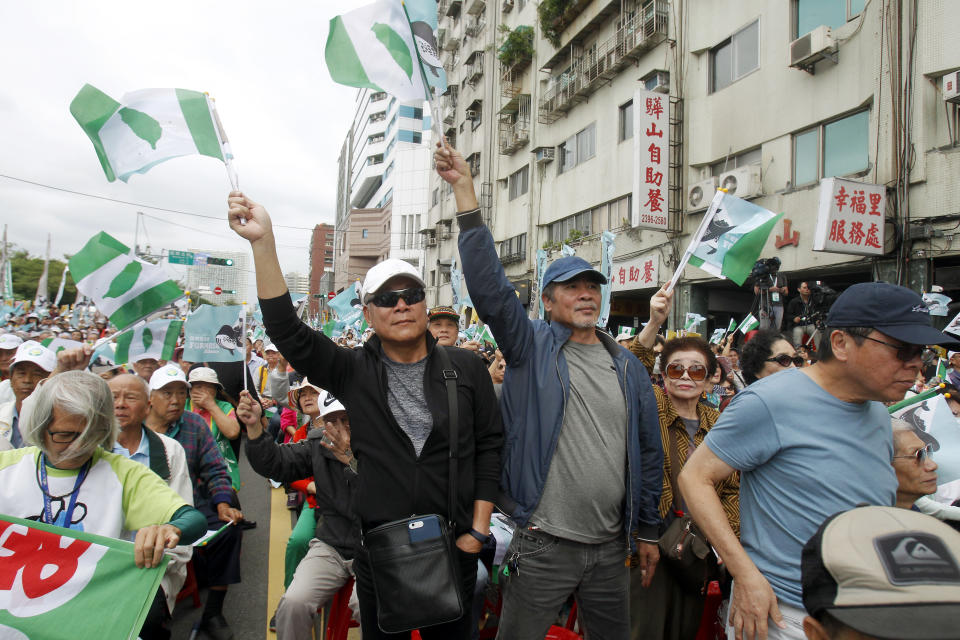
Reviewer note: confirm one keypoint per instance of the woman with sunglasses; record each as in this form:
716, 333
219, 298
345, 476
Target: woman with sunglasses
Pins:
667, 609
767, 353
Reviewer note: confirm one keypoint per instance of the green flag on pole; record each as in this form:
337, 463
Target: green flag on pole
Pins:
62, 584
749, 324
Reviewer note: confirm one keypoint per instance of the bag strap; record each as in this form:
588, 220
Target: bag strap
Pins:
674, 471
450, 380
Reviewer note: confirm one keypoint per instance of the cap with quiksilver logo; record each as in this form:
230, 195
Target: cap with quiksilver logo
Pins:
886, 572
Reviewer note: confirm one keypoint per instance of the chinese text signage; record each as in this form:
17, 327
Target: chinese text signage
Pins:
651, 155
641, 272
850, 218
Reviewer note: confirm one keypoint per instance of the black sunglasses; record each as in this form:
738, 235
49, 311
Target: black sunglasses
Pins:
905, 352
412, 295
785, 361
921, 454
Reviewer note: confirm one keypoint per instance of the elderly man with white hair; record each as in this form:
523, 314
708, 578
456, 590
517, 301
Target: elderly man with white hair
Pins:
32, 363
8, 349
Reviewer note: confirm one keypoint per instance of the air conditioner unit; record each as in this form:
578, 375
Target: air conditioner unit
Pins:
431, 241
545, 154
700, 194
471, 114
811, 47
743, 182
658, 81
951, 87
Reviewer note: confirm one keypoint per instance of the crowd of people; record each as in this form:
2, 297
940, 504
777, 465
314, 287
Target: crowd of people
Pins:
662, 488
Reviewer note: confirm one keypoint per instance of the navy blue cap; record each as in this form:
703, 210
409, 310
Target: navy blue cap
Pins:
568, 267
896, 311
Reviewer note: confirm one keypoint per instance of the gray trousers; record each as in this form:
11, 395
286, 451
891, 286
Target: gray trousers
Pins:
319, 576
545, 570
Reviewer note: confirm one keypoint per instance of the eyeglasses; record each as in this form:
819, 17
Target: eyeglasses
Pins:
391, 298
905, 352
785, 361
64, 437
920, 455
697, 372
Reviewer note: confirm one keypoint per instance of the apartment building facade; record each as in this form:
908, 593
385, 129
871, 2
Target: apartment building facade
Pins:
764, 97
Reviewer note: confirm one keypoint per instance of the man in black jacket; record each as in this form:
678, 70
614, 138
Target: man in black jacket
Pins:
328, 564
394, 391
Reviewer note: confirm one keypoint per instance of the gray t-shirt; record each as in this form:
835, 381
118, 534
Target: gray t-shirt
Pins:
407, 402
585, 488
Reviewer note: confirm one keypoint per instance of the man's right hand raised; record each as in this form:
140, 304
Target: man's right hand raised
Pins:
257, 224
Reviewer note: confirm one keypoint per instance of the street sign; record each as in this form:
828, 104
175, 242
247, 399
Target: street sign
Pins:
217, 291
180, 257
331, 295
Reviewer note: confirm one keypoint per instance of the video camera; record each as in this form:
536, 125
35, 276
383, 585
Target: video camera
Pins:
822, 298
764, 273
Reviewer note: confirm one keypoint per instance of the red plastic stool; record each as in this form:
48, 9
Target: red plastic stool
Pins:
341, 618
190, 587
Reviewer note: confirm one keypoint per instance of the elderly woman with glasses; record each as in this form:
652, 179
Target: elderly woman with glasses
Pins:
661, 605
767, 353
70, 478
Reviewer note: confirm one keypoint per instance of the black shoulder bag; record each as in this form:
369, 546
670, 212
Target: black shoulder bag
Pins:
683, 548
416, 574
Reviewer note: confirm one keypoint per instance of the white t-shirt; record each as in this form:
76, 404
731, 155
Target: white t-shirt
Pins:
117, 496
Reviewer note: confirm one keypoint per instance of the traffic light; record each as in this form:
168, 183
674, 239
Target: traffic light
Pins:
225, 262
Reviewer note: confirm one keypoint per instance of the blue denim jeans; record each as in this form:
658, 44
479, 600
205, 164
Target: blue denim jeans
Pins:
545, 570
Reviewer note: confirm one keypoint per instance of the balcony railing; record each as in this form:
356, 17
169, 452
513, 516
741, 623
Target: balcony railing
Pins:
474, 68
476, 27
513, 135
595, 67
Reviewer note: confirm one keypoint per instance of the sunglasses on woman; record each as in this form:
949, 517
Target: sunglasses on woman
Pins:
920, 455
785, 361
412, 295
697, 372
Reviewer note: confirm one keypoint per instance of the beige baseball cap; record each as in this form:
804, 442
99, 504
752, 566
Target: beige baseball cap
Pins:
886, 572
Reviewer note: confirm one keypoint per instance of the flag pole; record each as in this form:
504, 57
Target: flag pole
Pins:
695, 241
224, 147
243, 358
434, 112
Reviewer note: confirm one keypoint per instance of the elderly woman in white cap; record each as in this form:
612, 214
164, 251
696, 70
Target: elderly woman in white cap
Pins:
207, 401
69, 477
320, 551
32, 363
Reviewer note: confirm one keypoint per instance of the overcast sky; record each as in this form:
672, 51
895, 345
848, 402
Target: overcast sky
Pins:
261, 61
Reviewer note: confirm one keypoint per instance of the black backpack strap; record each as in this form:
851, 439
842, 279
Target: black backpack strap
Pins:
450, 380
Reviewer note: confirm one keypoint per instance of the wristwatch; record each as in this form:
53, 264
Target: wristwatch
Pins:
484, 539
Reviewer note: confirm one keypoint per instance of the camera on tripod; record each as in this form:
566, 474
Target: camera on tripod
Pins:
764, 272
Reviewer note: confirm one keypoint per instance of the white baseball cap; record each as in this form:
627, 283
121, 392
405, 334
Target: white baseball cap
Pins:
10, 341
626, 335
145, 356
329, 404
203, 374
33, 351
270, 347
165, 375
379, 274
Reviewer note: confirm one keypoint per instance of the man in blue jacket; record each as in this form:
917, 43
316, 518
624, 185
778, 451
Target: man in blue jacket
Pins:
583, 462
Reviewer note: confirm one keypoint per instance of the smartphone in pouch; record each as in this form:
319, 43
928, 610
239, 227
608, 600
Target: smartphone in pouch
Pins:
426, 528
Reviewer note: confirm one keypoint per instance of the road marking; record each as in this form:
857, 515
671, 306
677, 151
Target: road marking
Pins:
280, 528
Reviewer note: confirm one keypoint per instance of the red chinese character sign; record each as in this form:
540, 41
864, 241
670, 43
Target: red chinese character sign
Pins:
642, 272
651, 156
851, 217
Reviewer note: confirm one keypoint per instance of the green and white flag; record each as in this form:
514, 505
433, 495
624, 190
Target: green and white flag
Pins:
484, 335
749, 324
733, 326
376, 47
147, 128
62, 584
734, 236
624, 329
156, 339
59, 344
123, 287
942, 369
693, 321
717, 336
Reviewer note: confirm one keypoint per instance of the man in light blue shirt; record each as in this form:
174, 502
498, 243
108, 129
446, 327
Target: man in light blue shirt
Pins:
808, 443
